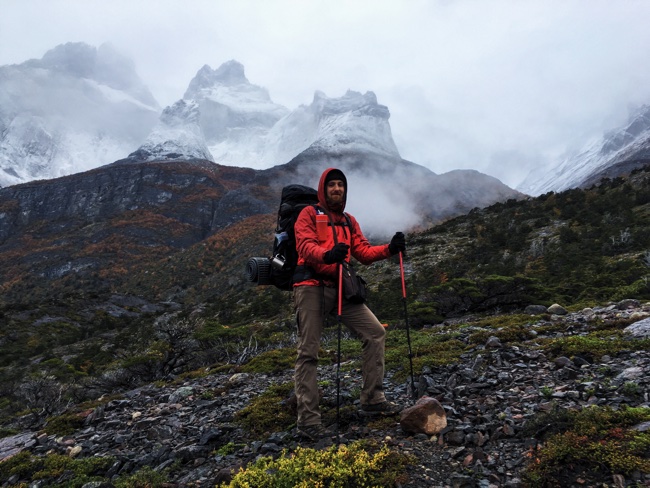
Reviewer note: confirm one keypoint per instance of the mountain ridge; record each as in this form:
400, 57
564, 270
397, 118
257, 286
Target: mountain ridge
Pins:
614, 154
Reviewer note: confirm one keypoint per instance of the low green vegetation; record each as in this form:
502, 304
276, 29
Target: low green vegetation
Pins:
593, 345
511, 328
64, 424
597, 441
273, 361
428, 346
354, 466
67, 472
577, 248
267, 413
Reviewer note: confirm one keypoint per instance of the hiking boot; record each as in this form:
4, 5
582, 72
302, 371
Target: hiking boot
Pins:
384, 409
312, 432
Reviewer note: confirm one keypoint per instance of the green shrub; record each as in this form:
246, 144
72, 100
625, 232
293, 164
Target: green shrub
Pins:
50, 468
64, 424
598, 441
61, 470
144, 478
343, 466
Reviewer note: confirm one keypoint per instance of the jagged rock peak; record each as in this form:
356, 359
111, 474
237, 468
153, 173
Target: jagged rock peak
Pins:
638, 122
181, 113
178, 136
615, 153
230, 73
75, 58
352, 101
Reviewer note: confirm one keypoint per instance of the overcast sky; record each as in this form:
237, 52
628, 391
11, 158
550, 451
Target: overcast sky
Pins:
500, 86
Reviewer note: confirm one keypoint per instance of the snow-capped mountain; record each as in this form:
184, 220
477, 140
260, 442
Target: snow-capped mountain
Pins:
617, 152
234, 115
353, 122
76, 108
177, 136
241, 126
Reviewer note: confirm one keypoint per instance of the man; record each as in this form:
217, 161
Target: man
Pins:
315, 296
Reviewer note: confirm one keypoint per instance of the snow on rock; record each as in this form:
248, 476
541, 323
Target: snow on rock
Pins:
235, 115
77, 108
628, 143
177, 136
242, 126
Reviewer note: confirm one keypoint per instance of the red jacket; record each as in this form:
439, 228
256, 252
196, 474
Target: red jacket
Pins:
311, 248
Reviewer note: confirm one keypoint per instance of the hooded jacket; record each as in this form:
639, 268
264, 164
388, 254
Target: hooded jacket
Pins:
312, 248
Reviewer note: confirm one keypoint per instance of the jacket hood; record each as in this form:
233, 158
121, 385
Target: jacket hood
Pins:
322, 191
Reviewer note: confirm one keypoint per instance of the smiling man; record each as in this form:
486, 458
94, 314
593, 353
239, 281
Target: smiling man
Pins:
315, 296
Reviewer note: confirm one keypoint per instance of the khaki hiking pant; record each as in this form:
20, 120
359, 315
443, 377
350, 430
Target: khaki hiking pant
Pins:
312, 305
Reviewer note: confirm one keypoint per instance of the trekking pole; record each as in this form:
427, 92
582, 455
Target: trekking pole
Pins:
338, 356
414, 392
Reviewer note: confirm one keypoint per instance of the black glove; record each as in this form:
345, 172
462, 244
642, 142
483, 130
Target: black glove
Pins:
337, 254
397, 244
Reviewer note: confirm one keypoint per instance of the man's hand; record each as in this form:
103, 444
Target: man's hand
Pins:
397, 244
337, 254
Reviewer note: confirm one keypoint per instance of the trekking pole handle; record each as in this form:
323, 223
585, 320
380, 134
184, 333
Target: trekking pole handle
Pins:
401, 270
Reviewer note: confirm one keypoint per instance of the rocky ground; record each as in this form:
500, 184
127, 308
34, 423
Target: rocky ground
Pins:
488, 398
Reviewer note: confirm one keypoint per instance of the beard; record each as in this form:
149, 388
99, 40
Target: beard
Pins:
336, 204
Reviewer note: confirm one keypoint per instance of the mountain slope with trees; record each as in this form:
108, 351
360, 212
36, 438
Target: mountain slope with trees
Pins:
468, 278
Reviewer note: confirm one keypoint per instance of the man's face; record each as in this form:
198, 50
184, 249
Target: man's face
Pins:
335, 192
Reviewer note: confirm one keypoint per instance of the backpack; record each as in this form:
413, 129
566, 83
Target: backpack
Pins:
279, 269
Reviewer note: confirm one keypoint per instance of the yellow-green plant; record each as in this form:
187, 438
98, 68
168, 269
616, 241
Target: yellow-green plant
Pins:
341, 466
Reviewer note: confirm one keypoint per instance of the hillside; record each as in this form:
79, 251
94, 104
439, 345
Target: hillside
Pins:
105, 348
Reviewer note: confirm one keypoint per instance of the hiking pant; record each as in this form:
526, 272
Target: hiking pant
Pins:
312, 305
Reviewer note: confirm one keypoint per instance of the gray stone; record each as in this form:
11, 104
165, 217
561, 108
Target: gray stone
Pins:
639, 329
535, 309
238, 379
493, 343
632, 373
628, 304
557, 309
563, 362
642, 427
182, 392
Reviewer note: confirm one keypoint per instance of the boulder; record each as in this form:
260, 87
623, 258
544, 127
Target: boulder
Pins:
426, 416
535, 309
557, 309
639, 329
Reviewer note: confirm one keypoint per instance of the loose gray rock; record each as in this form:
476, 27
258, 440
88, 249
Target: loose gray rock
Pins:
639, 329
535, 309
557, 309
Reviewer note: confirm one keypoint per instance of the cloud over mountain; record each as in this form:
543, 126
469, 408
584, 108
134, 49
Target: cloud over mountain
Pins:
76, 108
